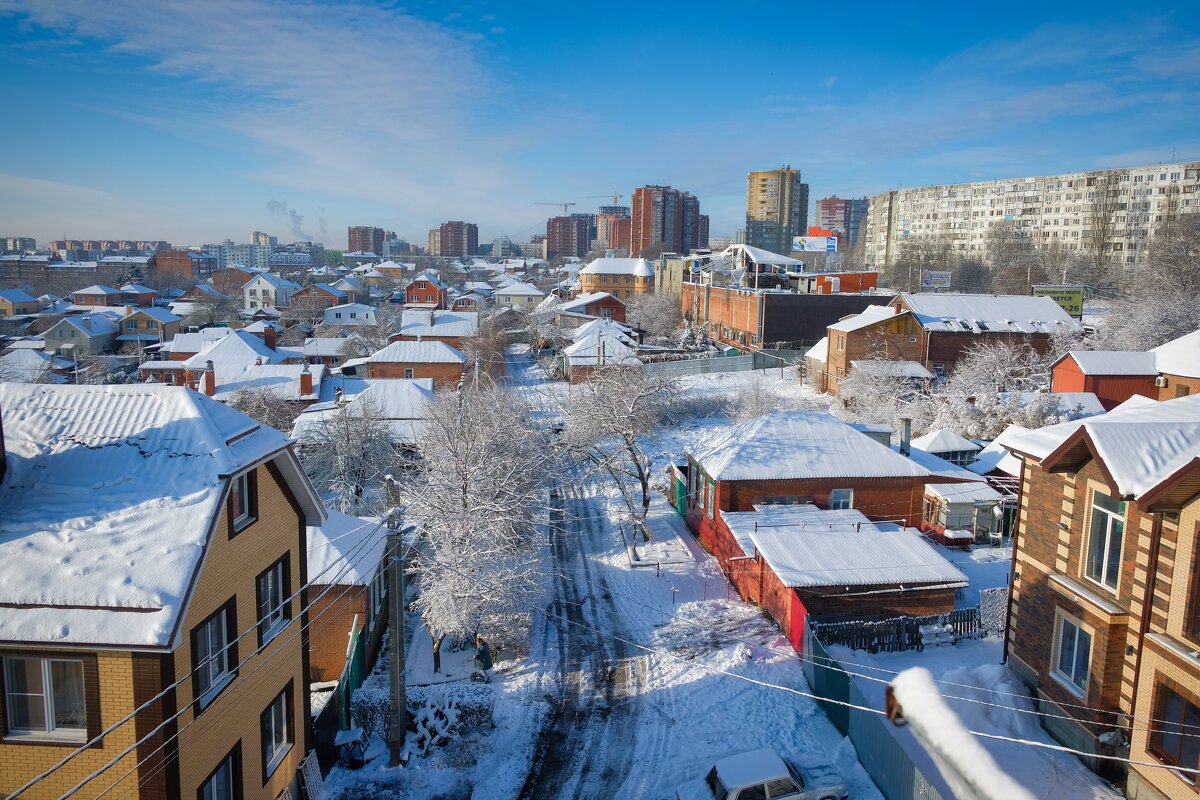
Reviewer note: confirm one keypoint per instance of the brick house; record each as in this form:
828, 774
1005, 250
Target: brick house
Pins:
17, 303
1105, 617
622, 277
1178, 363
798, 561
425, 324
98, 295
191, 579
427, 290
797, 457
230, 280
599, 305
314, 298
436, 360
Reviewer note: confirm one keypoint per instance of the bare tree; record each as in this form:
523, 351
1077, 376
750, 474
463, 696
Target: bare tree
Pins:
363, 340
211, 309
1103, 200
609, 420
657, 313
476, 498
934, 252
348, 454
266, 406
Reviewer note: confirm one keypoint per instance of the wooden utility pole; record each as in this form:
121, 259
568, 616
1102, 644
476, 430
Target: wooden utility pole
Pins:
395, 554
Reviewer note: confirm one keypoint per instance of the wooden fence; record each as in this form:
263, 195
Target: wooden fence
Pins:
902, 633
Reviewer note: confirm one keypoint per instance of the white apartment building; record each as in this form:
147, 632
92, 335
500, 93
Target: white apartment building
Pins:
1052, 208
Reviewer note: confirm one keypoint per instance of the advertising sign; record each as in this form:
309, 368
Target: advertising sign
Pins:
1069, 298
935, 280
814, 244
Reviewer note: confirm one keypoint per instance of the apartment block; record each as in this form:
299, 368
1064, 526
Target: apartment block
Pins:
458, 239
1115, 211
364, 239
776, 209
664, 216
567, 236
843, 216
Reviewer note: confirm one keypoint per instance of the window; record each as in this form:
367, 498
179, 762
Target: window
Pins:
151, 325
1174, 741
1182, 391
45, 696
214, 654
1104, 543
131, 325
243, 505
755, 792
841, 498
274, 608
1074, 653
841, 342
225, 782
408, 373
939, 370
710, 498
782, 787
276, 727
428, 298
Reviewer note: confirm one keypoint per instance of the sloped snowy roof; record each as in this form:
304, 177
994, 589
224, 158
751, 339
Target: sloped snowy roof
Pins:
939, 468
345, 550
819, 351
868, 316
995, 457
324, 346
801, 444
403, 404
195, 342
806, 547
97, 324
418, 352
521, 288
1180, 356
107, 505
26, 365
160, 314
977, 492
893, 369
976, 313
283, 380
97, 288
943, 441
429, 322
1141, 444
1113, 362
17, 296
584, 300
600, 347
274, 280
619, 266
263, 325
234, 350
609, 326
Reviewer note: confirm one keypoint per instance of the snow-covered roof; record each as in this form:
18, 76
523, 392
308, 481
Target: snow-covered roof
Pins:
234, 350
416, 352
1179, 356
17, 296
801, 444
1113, 362
806, 546
137, 288
943, 440
760, 256
274, 280
996, 458
282, 380
976, 492
522, 289
581, 301
356, 307
1073, 404
340, 294
868, 316
979, 313
97, 288
430, 322
27, 365
639, 267
600, 347
160, 314
195, 342
819, 351
107, 505
892, 369
324, 346
403, 404
263, 325
429, 277
346, 550
1140, 444
97, 324
939, 468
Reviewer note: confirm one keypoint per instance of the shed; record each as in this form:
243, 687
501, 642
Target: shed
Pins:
948, 445
954, 508
1112, 375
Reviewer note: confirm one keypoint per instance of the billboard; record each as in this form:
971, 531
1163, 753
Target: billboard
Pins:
935, 280
1069, 298
814, 244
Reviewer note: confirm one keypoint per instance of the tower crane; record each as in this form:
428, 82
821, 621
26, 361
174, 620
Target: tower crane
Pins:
616, 197
565, 206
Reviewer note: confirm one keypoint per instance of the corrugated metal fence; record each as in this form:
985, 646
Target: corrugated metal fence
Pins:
761, 359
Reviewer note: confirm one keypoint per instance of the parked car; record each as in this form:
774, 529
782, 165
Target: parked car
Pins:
764, 775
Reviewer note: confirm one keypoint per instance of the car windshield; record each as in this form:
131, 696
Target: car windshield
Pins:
797, 776
714, 784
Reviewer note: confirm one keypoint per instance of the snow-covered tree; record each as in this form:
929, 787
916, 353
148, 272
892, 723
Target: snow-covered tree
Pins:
882, 395
657, 313
348, 454
609, 418
476, 498
266, 406
363, 340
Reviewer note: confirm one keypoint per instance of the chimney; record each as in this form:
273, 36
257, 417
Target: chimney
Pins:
209, 380
269, 335
258, 361
905, 436
305, 382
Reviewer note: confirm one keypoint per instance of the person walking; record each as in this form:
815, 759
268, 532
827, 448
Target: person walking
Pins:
483, 659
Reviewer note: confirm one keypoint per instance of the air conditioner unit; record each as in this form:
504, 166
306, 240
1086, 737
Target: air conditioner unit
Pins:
1161, 381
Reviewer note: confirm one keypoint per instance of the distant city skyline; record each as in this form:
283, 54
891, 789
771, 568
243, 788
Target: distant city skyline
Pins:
160, 121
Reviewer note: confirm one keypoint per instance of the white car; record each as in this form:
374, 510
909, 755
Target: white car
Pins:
764, 775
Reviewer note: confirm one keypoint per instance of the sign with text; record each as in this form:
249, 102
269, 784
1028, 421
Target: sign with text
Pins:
935, 280
814, 244
1069, 298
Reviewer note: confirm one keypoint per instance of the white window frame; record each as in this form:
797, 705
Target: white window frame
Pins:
1111, 519
241, 484
847, 494
279, 744
408, 372
214, 667
1068, 680
51, 731
276, 618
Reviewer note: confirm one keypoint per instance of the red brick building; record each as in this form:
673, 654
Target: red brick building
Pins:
567, 236
458, 239
436, 360
667, 217
1113, 376
364, 239
427, 291
1105, 617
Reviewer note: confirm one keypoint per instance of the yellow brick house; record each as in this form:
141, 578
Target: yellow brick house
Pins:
152, 609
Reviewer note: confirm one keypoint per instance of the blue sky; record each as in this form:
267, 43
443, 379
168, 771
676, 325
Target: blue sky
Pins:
196, 121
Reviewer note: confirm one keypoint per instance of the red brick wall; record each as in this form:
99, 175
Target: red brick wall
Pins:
328, 639
723, 311
878, 498
442, 374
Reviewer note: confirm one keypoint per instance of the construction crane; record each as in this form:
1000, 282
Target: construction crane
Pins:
566, 207
616, 198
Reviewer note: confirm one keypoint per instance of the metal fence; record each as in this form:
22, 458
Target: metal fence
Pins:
903, 633
760, 359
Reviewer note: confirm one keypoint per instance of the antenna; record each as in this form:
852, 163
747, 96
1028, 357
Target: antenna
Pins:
566, 206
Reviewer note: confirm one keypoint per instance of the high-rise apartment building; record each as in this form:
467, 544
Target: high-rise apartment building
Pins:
567, 236
534, 248
844, 216
664, 216
458, 239
503, 247
612, 227
265, 239
776, 209
364, 239
1115, 212
434, 242
19, 244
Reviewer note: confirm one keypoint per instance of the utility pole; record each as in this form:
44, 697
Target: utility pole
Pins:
395, 550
